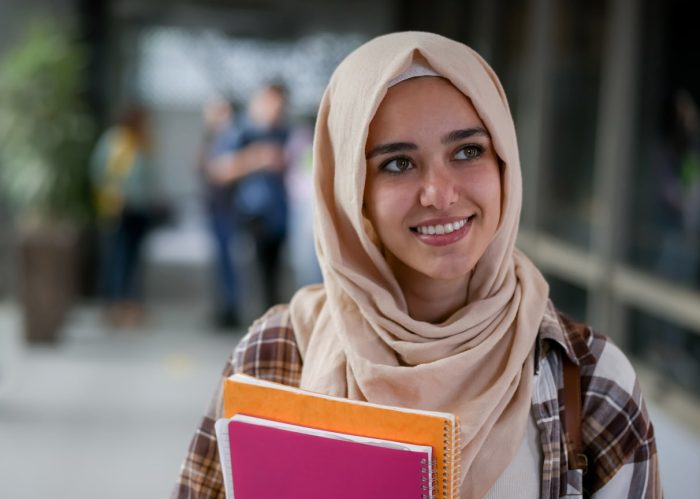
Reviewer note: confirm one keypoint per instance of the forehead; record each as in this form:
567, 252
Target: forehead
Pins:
424, 102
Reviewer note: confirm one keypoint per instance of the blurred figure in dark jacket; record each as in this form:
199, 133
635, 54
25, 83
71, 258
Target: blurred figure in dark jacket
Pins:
219, 131
679, 181
254, 167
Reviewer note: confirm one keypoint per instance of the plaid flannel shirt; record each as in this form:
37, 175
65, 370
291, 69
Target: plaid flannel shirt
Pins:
616, 430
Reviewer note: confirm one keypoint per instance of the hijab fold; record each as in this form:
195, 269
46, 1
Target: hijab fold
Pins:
354, 332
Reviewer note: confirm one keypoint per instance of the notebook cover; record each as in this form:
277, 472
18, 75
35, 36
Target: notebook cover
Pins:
271, 463
272, 401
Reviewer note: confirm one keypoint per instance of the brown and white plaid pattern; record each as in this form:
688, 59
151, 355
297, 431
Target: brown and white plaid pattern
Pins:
617, 433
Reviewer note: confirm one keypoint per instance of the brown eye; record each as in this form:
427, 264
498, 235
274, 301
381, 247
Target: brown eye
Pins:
469, 152
397, 165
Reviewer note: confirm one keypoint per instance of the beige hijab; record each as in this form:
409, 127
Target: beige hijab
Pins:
354, 333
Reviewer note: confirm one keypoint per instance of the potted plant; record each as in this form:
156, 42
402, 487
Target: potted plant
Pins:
45, 134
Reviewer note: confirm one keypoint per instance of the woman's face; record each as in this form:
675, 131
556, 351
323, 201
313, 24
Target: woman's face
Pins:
433, 188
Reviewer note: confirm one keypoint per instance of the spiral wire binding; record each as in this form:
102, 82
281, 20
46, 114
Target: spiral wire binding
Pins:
447, 459
429, 479
457, 442
451, 446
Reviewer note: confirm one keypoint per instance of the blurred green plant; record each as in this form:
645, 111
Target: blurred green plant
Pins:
45, 129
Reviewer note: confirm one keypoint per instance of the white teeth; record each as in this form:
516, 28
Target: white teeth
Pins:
441, 229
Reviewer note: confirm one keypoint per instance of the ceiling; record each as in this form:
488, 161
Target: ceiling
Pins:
270, 19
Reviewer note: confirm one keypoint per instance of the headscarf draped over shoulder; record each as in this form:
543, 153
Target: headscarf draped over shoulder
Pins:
354, 333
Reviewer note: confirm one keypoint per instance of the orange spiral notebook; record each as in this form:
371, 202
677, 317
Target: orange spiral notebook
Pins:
272, 401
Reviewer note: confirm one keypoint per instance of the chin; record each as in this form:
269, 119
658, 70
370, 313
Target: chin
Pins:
443, 269
448, 271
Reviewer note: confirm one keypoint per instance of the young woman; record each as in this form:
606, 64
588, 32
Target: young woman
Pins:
426, 303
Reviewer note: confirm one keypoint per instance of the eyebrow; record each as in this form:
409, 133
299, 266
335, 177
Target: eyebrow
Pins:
465, 133
451, 137
390, 148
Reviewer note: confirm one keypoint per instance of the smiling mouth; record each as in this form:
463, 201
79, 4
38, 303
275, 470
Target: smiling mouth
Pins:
441, 229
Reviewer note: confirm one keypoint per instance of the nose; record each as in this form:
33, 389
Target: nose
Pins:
438, 189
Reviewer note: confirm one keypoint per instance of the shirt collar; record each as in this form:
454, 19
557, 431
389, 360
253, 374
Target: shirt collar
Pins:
552, 332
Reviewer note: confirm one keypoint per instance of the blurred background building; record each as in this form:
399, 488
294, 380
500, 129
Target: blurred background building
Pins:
605, 97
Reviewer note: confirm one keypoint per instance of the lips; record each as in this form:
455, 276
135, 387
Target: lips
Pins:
441, 232
441, 229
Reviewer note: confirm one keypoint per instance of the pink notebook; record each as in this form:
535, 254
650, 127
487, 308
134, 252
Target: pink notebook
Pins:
272, 460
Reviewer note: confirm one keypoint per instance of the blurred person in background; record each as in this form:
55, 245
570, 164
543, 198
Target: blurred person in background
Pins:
122, 179
254, 165
674, 351
679, 181
426, 303
220, 131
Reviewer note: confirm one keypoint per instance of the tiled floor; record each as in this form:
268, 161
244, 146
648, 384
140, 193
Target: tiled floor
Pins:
109, 414
106, 414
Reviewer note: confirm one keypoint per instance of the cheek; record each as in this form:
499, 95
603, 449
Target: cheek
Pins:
376, 206
385, 207
484, 191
